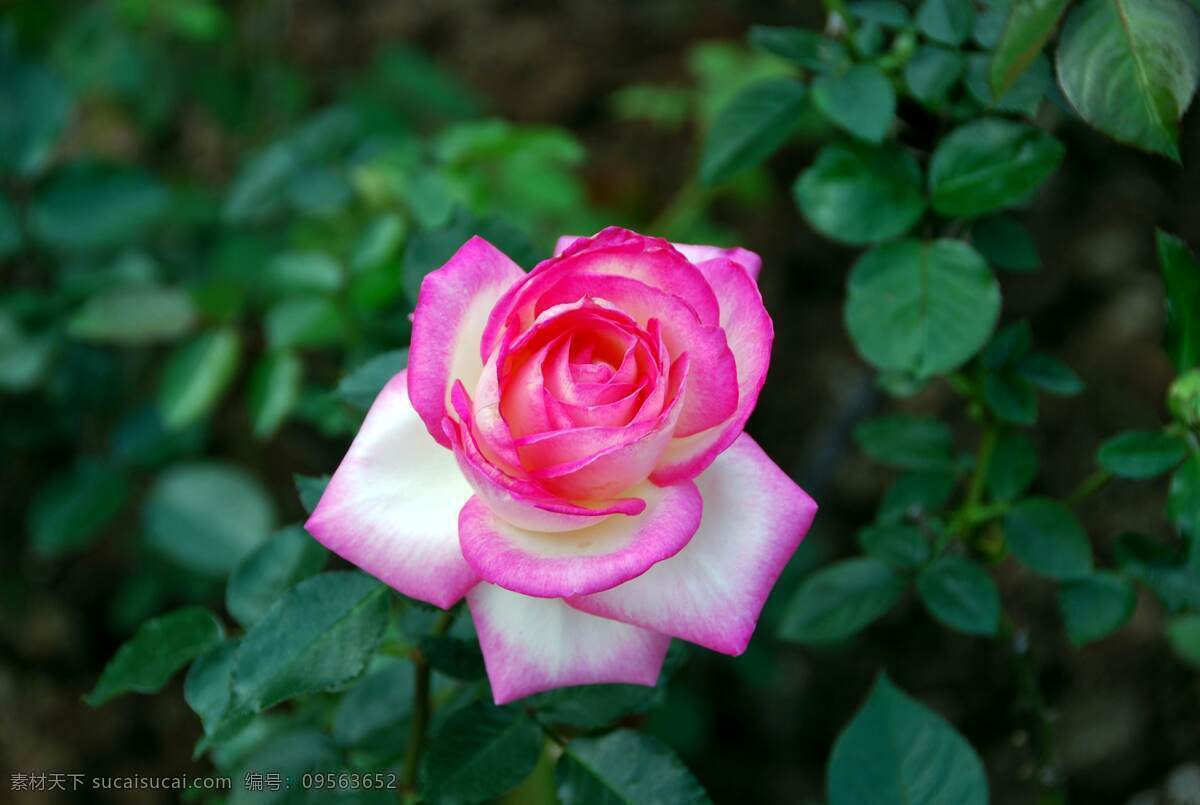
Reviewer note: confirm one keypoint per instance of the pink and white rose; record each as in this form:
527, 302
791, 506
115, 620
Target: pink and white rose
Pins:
566, 450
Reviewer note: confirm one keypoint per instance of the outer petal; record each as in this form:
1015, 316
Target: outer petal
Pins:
452, 310
535, 644
713, 590
557, 565
392, 506
694, 253
750, 333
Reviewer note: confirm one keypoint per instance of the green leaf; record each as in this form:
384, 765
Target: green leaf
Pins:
1047, 537
207, 686
274, 390
310, 489
990, 164
989, 23
1010, 397
1005, 243
1174, 581
261, 183
206, 516
931, 73
923, 308
900, 440
88, 207
1145, 52
751, 127
917, 493
1096, 606
858, 194
196, 375
35, 108
1013, 467
264, 575
161, 647
318, 637
1181, 276
134, 315
895, 751
1024, 97
591, 707
1183, 633
949, 22
303, 272
860, 101
960, 594
362, 386
69, 512
901, 546
429, 250
1050, 375
374, 713
453, 656
840, 600
802, 47
291, 755
479, 753
304, 321
1141, 453
1183, 501
886, 13
10, 229
624, 767
1030, 24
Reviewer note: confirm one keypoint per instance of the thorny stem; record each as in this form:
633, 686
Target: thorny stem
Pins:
1033, 709
421, 709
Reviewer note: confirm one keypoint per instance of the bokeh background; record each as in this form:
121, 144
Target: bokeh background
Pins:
604, 107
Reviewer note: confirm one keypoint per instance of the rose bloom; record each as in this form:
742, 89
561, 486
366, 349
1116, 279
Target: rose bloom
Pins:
566, 450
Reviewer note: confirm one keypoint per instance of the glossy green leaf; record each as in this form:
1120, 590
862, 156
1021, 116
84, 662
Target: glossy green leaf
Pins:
1183, 501
1171, 577
860, 101
161, 647
196, 376
304, 321
206, 516
922, 308
453, 656
917, 493
274, 390
362, 386
751, 127
896, 751
35, 108
990, 164
1130, 68
931, 73
900, 440
805, 48
303, 272
1183, 633
11, 238
479, 753
960, 594
1048, 538
1005, 243
1049, 374
134, 315
1095, 606
1141, 453
840, 600
901, 546
949, 22
1024, 97
1010, 397
87, 207
1030, 24
886, 13
1013, 467
374, 713
310, 489
858, 194
288, 557
1181, 276
70, 511
318, 637
624, 767
207, 688
290, 754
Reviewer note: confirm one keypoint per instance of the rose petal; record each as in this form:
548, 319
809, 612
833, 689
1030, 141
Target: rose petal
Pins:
694, 253
392, 506
535, 644
750, 333
585, 561
713, 590
452, 310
